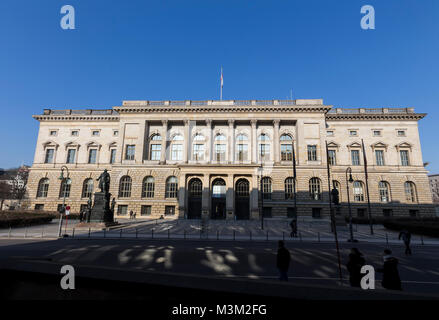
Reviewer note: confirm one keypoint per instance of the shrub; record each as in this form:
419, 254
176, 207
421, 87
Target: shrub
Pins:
24, 218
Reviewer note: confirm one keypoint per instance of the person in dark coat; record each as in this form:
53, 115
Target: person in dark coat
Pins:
356, 261
391, 279
283, 261
406, 238
293, 225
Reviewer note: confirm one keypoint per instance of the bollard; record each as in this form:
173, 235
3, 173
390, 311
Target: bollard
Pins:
267, 236
120, 233
152, 233
73, 233
422, 239
318, 236
184, 234
89, 232
200, 233
300, 236
105, 233
136, 233
42, 232
25, 232
283, 235
387, 239
169, 233
217, 235
250, 235
9, 233
233, 234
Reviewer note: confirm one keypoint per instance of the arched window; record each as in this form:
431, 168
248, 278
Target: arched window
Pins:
43, 188
125, 187
155, 147
286, 147
266, 187
241, 147
87, 188
177, 148
64, 190
198, 147
358, 191
336, 185
195, 188
264, 147
242, 188
289, 188
220, 147
148, 187
315, 190
410, 191
171, 187
383, 188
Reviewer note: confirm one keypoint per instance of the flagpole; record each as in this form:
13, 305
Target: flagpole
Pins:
221, 85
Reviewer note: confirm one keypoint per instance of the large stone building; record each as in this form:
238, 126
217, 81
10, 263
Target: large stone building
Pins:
192, 158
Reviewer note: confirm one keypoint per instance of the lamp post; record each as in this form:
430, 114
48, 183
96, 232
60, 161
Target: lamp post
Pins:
61, 177
262, 193
351, 233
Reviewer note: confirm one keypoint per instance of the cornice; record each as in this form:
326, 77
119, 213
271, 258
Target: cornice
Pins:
384, 116
75, 118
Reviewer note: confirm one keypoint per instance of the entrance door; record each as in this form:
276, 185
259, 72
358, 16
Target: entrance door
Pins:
242, 199
218, 209
195, 194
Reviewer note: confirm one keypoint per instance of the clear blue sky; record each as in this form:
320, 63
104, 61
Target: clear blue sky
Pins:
163, 49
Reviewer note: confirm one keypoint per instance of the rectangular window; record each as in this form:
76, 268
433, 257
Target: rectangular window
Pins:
92, 155
286, 152
60, 207
39, 206
113, 156
266, 211
404, 158
95, 133
242, 152
130, 152
332, 157
169, 210
53, 133
115, 133
49, 156
156, 152
353, 133
122, 209
198, 152
355, 157
316, 212
413, 213
75, 133
377, 133
379, 155
83, 208
264, 151
312, 153
387, 212
330, 133
145, 211
177, 152
220, 152
71, 155
361, 212
401, 133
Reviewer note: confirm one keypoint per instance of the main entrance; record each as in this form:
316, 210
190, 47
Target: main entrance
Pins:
195, 194
242, 199
218, 209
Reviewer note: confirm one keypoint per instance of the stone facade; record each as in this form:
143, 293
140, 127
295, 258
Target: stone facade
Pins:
217, 152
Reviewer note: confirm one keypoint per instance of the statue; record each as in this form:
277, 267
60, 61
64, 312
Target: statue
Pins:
104, 182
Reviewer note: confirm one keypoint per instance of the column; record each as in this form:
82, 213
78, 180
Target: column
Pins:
231, 140
276, 142
187, 138
205, 196
254, 144
210, 140
182, 196
254, 197
164, 140
140, 145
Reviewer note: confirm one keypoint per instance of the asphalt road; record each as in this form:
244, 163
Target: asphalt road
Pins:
313, 263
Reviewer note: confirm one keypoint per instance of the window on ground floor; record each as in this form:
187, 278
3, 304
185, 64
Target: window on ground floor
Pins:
39, 206
169, 210
266, 211
122, 209
316, 212
145, 211
361, 212
387, 212
413, 213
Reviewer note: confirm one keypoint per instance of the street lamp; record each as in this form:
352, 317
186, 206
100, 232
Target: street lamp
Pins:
61, 177
262, 193
351, 233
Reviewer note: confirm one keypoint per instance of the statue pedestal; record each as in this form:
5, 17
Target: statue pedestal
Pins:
101, 211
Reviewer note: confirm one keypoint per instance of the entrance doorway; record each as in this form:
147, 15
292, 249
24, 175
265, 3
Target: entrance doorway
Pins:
218, 209
195, 195
242, 199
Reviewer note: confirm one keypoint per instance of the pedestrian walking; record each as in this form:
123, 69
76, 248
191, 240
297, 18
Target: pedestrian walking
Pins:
354, 265
293, 225
283, 261
81, 215
134, 215
406, 238
391, 279
131, 214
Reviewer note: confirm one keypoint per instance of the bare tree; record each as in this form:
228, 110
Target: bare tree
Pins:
5, 192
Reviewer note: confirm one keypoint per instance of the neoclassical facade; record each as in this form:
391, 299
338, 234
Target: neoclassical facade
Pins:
186, 159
